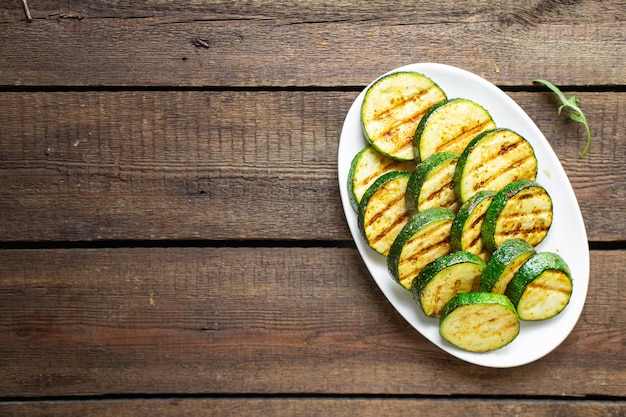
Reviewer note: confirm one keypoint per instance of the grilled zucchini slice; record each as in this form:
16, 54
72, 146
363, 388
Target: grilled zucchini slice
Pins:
449, 127
479, 322
424, 238
366, 166
382, 210
392, 108
491, 161
542, 287
521, 210
503, 265
431, 185
442, 279
466, 227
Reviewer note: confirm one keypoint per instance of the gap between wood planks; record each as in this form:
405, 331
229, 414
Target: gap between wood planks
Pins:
318, 396
174, 243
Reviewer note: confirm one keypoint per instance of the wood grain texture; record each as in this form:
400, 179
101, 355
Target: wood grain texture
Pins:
264, 43
211, 130
232, 164
434, 11
314, 407
260, 321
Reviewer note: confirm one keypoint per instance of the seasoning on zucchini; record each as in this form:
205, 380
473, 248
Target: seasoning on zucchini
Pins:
366, 166
492, 160
449, 126
466, 227
430, 184
504, 263
522, 209
542, 287
479, 322
445, 277
424, 238
382, 210
392, 108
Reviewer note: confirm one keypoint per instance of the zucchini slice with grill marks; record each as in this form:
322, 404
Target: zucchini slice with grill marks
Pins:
382, 210
424, 238
466, 227
542, 287
366, 166
431, 185
503, 265
392, 108
442, 279
522, 209
479, 321
492, 160
449, 127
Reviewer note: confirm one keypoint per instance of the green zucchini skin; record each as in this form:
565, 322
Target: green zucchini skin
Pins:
382, 210
542, 287
393, 106
424, 238
492, 160
430, 184
465, 234
479, 322
522, 209
367, 165
449, 126
444, 278
503, 265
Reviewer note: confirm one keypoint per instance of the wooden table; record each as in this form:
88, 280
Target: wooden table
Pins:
173, 241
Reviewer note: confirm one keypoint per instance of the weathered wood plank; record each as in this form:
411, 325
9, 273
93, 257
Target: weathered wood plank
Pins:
260, 321
276, 43
314, 407
431, 11
231, 164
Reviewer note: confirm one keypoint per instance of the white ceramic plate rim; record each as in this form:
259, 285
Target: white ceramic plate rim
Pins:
567, 236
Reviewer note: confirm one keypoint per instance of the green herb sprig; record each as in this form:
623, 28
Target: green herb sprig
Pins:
571, 104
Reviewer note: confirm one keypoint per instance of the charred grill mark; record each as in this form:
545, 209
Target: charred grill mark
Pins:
500, 324
401, 217
514, 215
389, 166
438, 192
544, 288
519, 232
509, 325
445, 243
404, 146
475, 243
492, 321
396, 104
512, 226
507, 148
463, 136
514, 220
395, 128
387, 207
385, 232
478, 221
476, 225
411, 270
451, 204
483, 184
529, 195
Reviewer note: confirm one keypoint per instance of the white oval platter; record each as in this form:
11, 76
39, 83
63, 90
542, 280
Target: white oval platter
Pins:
567, 235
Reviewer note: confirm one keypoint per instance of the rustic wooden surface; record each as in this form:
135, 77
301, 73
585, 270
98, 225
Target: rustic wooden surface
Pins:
172, 239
